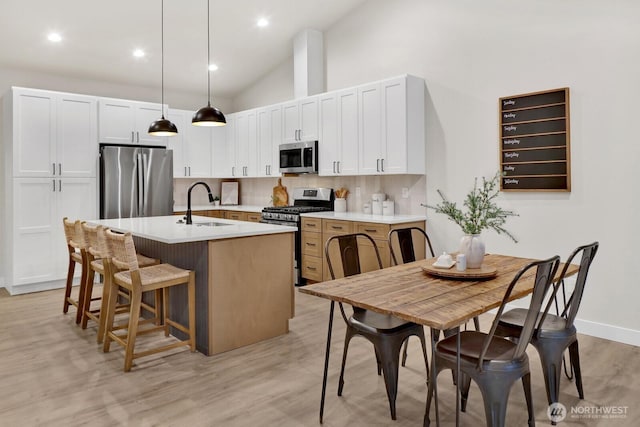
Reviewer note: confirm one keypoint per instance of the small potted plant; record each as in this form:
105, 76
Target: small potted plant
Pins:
216, 201
481, 213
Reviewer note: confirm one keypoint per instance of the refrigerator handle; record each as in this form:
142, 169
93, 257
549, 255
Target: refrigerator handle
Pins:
140, 177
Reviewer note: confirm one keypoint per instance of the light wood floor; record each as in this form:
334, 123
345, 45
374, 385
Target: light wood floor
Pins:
52, 373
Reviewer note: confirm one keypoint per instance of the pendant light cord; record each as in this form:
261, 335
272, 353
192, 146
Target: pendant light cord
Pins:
162, 56
208, 54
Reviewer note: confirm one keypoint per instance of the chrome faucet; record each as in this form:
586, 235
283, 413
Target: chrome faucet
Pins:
189, 220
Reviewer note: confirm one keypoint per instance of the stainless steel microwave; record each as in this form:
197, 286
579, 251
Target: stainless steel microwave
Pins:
299, 157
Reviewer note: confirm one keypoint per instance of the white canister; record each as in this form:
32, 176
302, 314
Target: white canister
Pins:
388, 208
378, 197
366, 208
340, 205
461, 262
376, 208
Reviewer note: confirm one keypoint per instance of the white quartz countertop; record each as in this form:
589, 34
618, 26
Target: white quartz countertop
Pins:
209, 207
361, 217
166, 229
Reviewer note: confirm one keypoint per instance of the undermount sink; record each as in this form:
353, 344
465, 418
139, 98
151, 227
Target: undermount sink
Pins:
209, 224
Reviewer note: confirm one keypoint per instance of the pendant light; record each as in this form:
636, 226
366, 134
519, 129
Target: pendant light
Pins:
162, 126
208, 116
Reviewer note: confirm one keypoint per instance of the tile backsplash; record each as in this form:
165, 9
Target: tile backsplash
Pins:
257, 191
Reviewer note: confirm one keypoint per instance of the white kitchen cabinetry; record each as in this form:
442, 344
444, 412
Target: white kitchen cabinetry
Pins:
54, 134
36, 254
246, 158
127, 122
391, 125
192, 147
300, 120
50, 153
338, 146
269, 140
223, 149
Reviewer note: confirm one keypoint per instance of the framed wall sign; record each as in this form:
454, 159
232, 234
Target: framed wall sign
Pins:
534, 141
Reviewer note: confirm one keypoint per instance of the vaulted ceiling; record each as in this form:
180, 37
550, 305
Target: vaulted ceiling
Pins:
98, 38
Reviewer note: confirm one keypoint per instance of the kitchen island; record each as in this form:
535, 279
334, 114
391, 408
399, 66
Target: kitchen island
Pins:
244, 275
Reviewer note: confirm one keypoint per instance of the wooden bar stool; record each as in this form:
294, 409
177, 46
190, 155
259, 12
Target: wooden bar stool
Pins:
138, 280
96, 249
76, 246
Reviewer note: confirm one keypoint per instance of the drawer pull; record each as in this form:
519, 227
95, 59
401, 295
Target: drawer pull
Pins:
311, 225
311, 268
336, 227
370, 230
310, 244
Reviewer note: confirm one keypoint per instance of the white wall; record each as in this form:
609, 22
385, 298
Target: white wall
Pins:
471, 53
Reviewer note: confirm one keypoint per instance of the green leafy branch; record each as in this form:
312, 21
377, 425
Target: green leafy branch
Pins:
481, 211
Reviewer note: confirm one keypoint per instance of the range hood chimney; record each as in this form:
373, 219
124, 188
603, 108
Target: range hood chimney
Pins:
308, 63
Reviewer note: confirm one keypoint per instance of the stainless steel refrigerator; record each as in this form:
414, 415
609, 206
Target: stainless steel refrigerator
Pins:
135, 181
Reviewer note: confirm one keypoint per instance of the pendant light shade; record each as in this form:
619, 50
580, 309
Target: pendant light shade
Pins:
208, 116
162, 126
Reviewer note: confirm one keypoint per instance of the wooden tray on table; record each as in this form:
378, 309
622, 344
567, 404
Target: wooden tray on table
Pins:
484, 272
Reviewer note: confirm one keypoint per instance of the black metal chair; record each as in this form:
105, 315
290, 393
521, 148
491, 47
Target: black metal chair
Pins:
493, 362
404, 238
558, 331
386, 333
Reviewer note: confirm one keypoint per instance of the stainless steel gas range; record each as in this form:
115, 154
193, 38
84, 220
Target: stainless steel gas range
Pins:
305, 200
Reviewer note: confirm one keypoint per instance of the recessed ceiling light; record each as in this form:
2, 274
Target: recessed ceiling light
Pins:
138, 53
213, 67
262, 22
54, 37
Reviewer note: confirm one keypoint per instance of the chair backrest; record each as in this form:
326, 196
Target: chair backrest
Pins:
571, 305
74, 234
349, 253
122, 251
404, 237
545, 272
95, 240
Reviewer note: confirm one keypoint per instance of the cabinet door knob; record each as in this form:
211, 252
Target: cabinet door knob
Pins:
382, 165
338, 162
60, 185
53, 181
53, 168
132, 136
59, 168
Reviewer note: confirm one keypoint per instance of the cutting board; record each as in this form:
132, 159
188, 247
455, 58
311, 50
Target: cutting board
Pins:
280, 195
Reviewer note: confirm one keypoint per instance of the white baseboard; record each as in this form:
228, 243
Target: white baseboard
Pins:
36, 287
609, 332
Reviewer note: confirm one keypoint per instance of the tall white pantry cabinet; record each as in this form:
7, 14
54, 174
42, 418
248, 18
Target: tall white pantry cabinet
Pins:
49, 158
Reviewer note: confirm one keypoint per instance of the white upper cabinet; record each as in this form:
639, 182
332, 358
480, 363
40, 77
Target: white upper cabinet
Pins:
300, 120
338, 132
391, 124
192, 147
77, 133
269, 140
246, 159
222, 152
54, 134
127, 122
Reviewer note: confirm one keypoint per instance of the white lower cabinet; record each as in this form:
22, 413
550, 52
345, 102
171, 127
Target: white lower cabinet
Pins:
36, 256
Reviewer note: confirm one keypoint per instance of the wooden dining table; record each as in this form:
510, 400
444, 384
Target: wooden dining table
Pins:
406, 291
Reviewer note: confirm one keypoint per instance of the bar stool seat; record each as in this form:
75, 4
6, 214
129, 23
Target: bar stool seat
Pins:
126, 273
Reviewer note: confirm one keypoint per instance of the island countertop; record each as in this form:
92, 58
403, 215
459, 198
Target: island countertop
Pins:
166, 229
